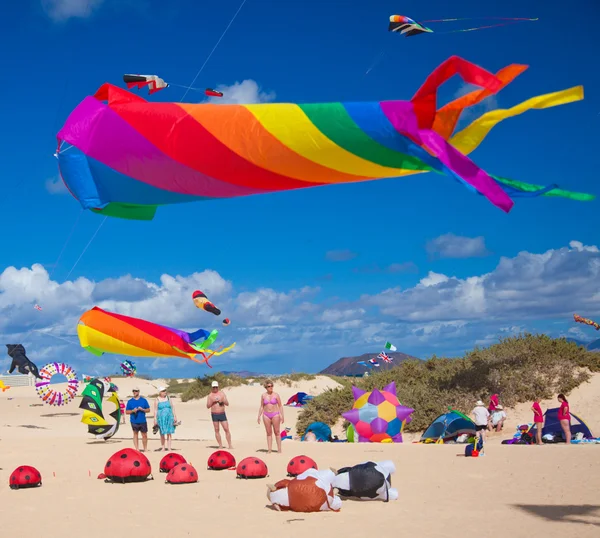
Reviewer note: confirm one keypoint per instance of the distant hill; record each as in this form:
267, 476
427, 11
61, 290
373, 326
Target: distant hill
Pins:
348, 366
590, 346
243, 374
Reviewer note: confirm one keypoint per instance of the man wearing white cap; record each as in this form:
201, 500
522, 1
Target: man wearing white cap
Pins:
481, 418
216, 402
137, 407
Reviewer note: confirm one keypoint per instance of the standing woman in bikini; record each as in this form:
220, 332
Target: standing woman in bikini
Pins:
271, 411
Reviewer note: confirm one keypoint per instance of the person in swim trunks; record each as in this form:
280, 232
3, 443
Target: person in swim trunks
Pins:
216, 402
271, 412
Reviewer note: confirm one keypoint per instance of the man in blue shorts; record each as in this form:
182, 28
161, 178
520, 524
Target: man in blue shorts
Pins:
137, 407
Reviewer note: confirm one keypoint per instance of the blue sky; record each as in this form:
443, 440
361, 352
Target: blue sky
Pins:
306, 277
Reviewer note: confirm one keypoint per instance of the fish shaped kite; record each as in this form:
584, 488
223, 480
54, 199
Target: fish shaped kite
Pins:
587, 321
102, 332
122, 156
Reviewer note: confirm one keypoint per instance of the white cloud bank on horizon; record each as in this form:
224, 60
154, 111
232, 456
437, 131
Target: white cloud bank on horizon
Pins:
439, 314
63, 10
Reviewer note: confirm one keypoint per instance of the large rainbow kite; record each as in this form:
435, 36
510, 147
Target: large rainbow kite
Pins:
124, 157
102, 332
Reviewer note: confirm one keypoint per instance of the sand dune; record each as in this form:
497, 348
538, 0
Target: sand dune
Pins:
517, 491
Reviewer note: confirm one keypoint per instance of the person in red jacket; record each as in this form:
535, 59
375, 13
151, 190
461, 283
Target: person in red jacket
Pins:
565, 417
538, 419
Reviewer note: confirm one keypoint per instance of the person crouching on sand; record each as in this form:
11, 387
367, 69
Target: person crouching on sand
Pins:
216, 402
271, 411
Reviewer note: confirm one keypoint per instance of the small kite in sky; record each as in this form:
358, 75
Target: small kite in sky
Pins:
155, 84
587, 321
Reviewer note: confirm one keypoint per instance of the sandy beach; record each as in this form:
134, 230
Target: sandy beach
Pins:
518, 491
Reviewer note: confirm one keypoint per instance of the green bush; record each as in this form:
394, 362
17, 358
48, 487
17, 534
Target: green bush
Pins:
517, 368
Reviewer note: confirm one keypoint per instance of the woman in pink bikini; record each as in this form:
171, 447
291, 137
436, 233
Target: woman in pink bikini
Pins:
271, 411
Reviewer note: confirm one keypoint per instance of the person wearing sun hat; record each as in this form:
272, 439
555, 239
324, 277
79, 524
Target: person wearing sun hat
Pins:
164, 418
481, 417
497, 418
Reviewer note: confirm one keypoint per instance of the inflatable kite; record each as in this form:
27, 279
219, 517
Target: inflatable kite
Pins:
378, 416
55, 397
311, 491
169, 461
128, 368
25, 476
102, 332
408, 28
154, 82
367, 481
251, 467
587, 321
299, 464
209, 92
20, 361
121, 156
3, 386
127, 465
92, 405
182, 474
201, 301
220, 460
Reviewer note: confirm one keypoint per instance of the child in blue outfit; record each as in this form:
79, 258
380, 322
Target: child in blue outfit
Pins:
137, 407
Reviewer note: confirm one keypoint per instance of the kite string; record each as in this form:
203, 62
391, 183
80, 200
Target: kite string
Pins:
65, 244
484, 18
72, 268
476, 28
86, 247
214, 49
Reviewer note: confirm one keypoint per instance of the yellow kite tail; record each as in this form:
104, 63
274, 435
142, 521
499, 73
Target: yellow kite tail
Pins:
471, 136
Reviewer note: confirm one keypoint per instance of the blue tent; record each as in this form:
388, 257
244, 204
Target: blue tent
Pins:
299, 399
447, 426
321, 430
552, 425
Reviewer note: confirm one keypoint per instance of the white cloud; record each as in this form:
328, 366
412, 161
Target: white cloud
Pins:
469, 114
340, 255
528, 286
405, 267
56, 186
455, 246
62, 10
241, 93
299, 328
